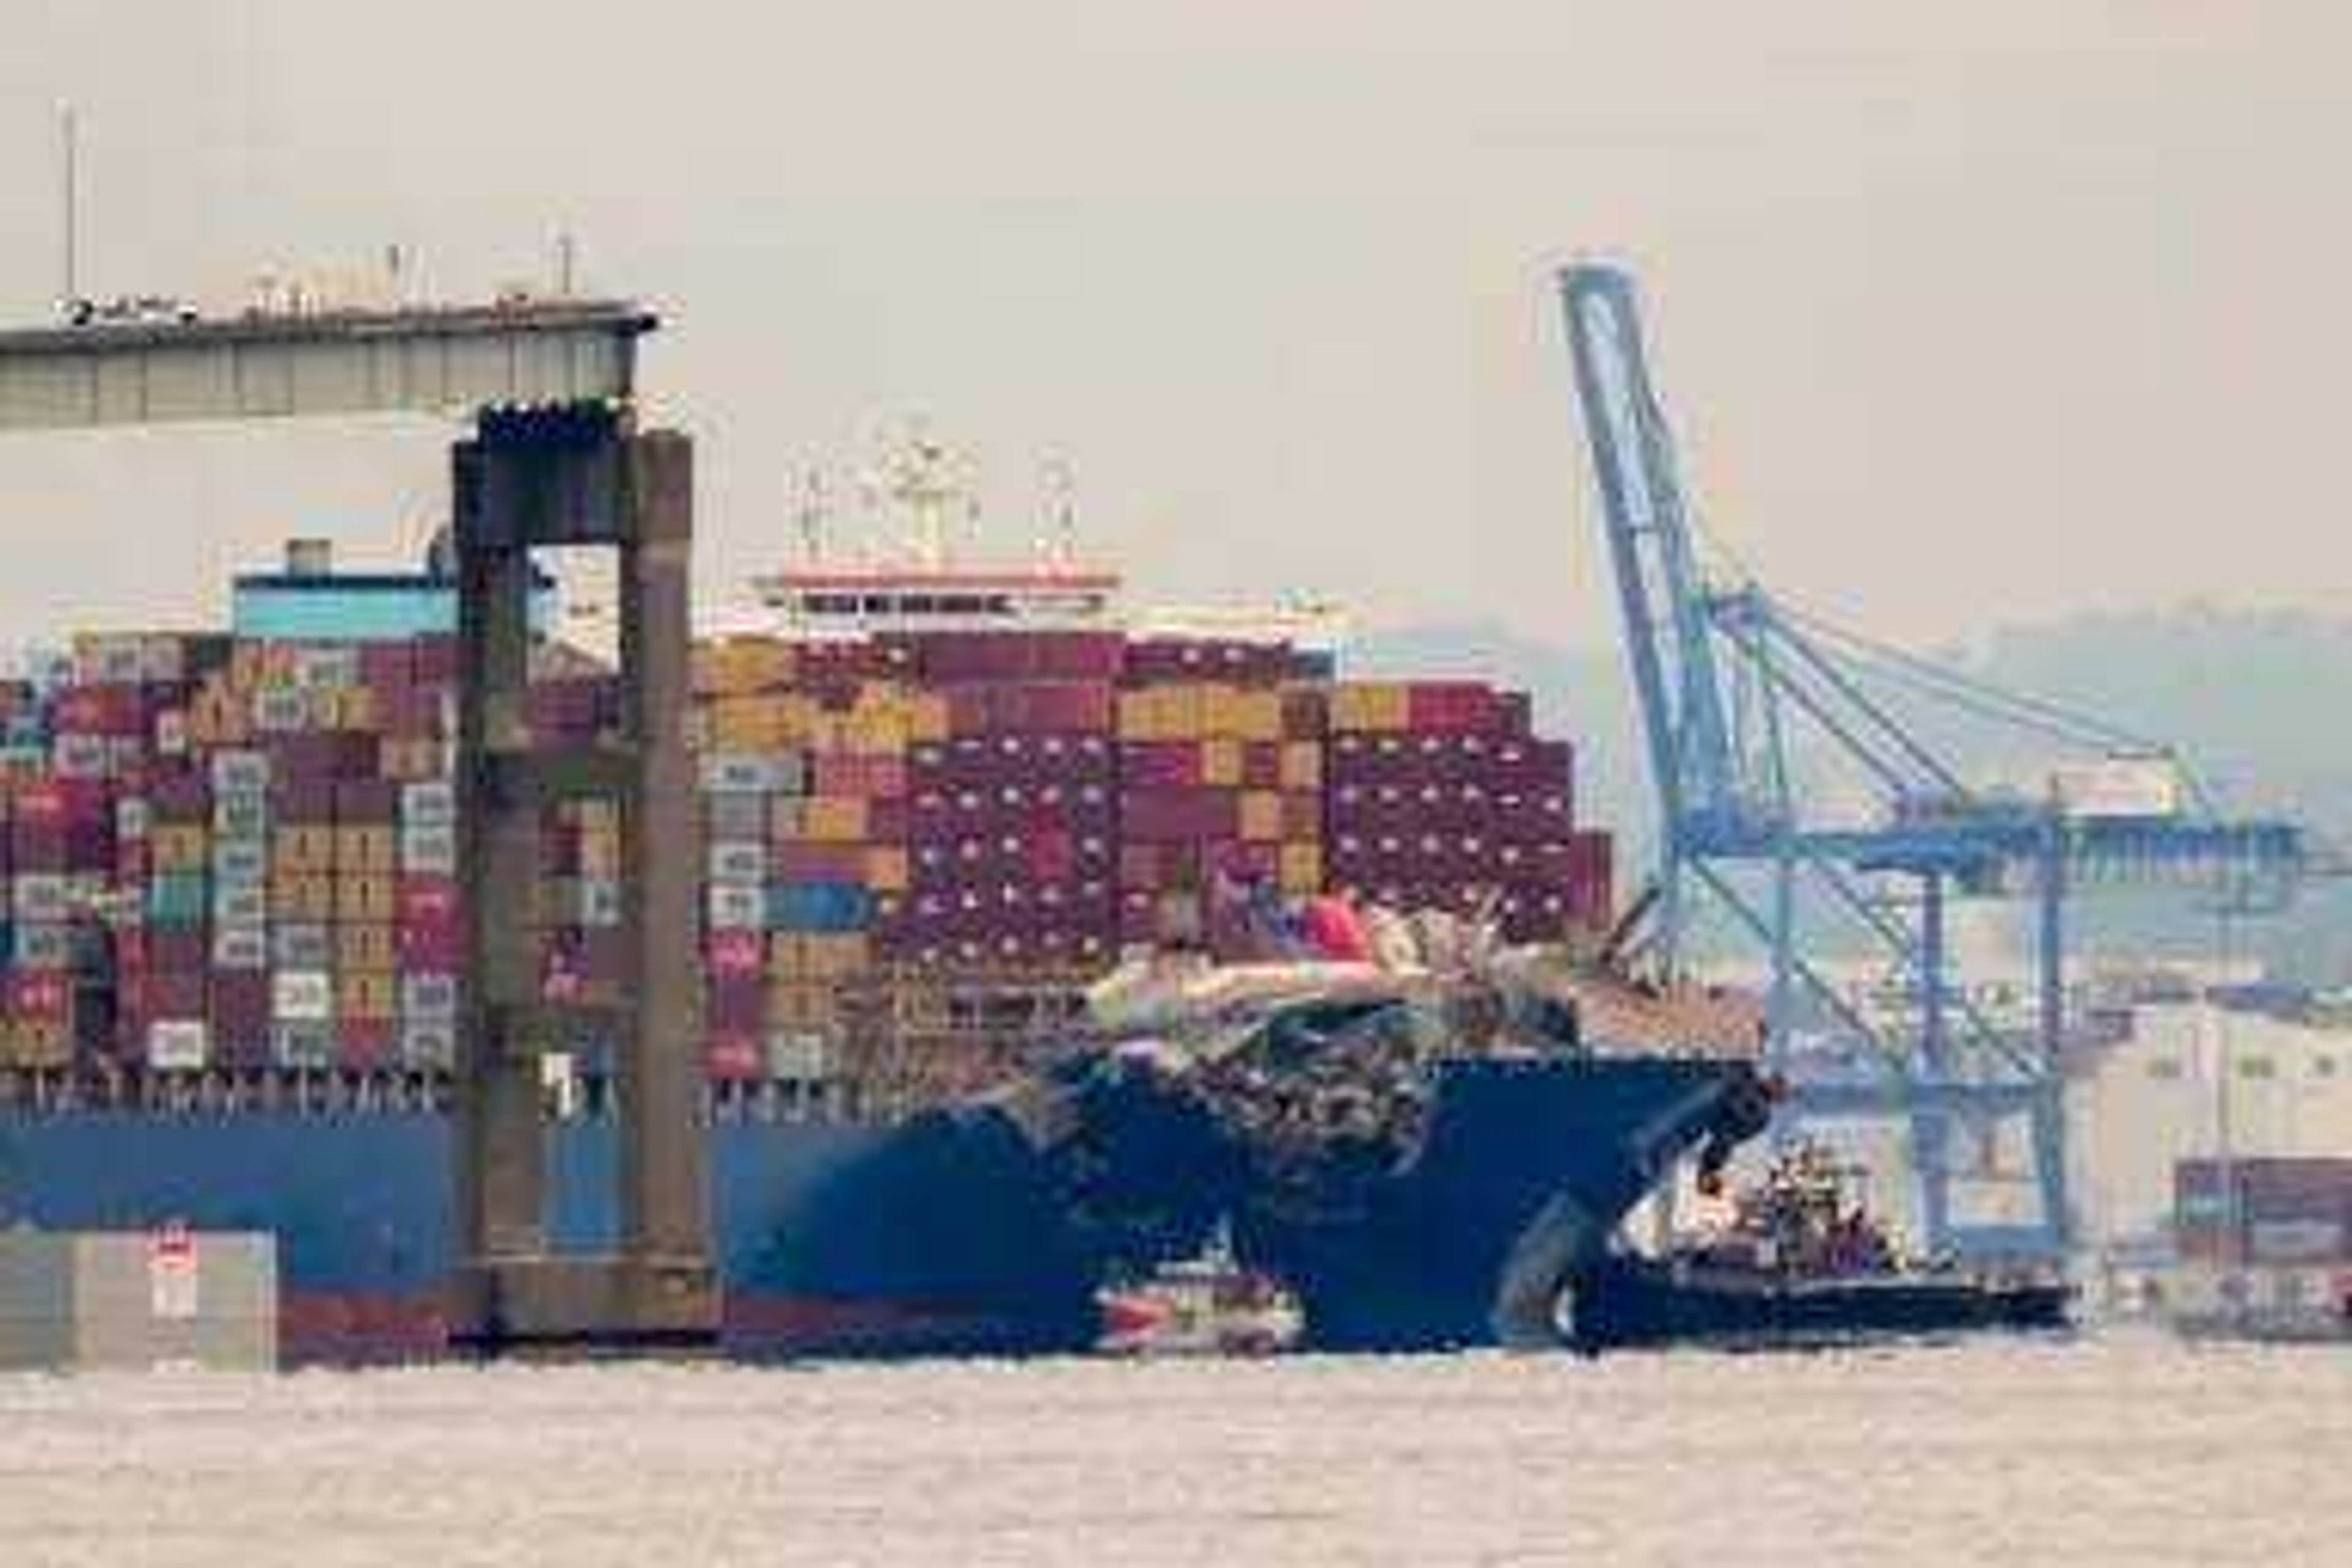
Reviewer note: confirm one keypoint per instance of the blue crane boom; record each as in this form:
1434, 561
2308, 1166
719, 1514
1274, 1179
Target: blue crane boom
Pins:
1748, 706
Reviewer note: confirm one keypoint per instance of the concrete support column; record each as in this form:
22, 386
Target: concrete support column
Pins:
664, 1175
501, 1197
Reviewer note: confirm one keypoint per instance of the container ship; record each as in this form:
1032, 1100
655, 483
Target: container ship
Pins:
939, 803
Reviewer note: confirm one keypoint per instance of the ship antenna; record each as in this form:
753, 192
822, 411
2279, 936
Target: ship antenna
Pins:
811, 515
1062, 501
70, 154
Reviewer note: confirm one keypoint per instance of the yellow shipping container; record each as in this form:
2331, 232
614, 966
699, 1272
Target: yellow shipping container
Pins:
366, 947
1220, 764
746, 724
1374, 707
1138, 715
835, 954
179, 848
880, 733
738, 667
304, 850
927, 718
365, 850
1258, 716
1261, 816
304, 895
1301, 869
367, 998
355, 709
886, 869
365, 897
836, 819
800, 1004
1302, 765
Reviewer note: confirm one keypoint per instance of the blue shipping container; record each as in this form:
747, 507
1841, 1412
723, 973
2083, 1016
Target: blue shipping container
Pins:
819, 907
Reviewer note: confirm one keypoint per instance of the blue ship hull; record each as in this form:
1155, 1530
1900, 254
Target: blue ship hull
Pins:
955, 1232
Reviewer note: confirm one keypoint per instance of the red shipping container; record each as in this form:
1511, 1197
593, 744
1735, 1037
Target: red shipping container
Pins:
886, 820
735, 1004
1160, 765
884, 777
366, 1045
366, 802
436, 658
819, 862
180, 799
240, 1002
1306, 713
735, 1055
39, 996
169, 947
387, 665
735, 954
174, 993
429, 902
1159, 816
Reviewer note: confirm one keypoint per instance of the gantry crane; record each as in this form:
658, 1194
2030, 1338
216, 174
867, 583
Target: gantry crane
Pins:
1758, 717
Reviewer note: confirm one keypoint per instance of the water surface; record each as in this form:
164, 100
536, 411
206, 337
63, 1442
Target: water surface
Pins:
2122, 1451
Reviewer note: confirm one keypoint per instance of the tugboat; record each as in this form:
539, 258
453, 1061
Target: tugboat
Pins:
1208, 1304
1800, 1264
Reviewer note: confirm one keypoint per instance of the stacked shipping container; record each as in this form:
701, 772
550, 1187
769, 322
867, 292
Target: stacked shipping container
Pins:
243, 854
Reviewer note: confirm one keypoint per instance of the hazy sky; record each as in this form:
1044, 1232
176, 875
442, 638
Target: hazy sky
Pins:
1967, 312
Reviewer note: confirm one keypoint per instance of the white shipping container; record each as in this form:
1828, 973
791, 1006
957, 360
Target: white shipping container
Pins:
172, 732
240, 904
737, 909
240, 862
2296, 1241
243, 948
429, 851
743, 771
741, 864
163, 657
797, 1055
306, 945
76, 756
2118, 788
428, 804
240, 771
599, 902
280, 710
132, 816
40, 898
428, 996
735, 814
178, 1045
43, 947
427, 1047
301, 995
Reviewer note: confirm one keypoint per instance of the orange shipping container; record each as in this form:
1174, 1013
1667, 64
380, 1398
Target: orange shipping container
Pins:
1261, 816
885, 869
927, 718
835, 819
1302, 869
1302, 765
1371, 708
1220, 764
